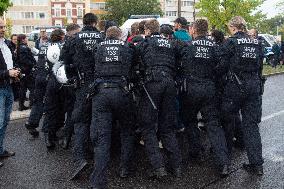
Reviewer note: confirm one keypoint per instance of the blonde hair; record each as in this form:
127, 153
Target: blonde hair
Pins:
238, 22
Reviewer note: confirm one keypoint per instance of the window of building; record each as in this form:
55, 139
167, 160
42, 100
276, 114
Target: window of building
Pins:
28, 29
98, 6
30, 2
80, 12
171, 3
40, 15
27, 15
40, 2
171, 13
57, 12
186, 3
69, 12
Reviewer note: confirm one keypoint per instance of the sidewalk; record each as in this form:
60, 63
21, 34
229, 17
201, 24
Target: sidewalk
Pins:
16, 114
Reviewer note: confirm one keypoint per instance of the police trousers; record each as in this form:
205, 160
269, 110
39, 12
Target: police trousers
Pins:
109, 104
246, 98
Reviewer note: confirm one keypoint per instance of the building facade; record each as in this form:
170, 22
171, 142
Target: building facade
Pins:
64, 12
98, 7
28, 14
171, 8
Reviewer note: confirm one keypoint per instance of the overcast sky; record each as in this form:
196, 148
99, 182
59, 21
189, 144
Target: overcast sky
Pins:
270, 8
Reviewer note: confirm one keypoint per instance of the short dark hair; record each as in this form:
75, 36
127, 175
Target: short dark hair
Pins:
101, 25
72, 27
20, 38
13, 35
141, 27
56, 35
90, 19
152, 25
166, 30
218, 36
201, 27
110, 23
135, 28
182, 21
113, 32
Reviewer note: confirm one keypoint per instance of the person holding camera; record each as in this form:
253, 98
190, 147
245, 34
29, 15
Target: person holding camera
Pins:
7, 74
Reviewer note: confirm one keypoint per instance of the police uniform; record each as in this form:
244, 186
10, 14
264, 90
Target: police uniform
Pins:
111, 101
53, 105
82, 66
26, 62
43, 69
243, 92
199, 94
159, 56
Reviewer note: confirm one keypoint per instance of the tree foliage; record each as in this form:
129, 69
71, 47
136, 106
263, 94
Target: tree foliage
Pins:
4, 5
270, 25
120, 10
9, 25
219, 12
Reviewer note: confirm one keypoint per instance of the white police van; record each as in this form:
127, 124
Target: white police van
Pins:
138, 18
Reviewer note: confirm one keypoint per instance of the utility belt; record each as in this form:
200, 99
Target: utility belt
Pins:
183, 87
99, 84
155, 74
240, 77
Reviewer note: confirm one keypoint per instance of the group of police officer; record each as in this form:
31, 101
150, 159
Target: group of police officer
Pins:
113, 83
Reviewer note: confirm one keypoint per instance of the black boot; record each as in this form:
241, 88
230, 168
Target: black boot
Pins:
256, 169
80, 167
124, 172
224, 171
65, 142
159, 173
177, 172
32, 129
49, 142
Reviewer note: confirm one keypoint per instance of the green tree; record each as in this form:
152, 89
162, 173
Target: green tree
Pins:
120, 10
4, 5
270, 25
219, 12
9, 25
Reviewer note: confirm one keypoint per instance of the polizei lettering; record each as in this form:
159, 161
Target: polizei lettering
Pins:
203, 43
90, 35
247, 41
112, 42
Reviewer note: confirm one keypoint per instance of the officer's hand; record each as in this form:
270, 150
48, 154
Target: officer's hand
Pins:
14, 73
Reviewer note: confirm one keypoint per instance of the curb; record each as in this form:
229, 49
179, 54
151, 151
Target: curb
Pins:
274, 74
15, 115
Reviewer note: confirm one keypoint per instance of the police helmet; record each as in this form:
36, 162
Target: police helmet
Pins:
53, 53
61, 75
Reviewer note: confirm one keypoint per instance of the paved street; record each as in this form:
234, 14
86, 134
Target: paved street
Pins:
35, 168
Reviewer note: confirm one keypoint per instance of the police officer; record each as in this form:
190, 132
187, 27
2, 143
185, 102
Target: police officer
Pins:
244, 89
26, 62
111, 100
43, 70
68, 93
199, 94
82, 67
157, 105
54, 95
